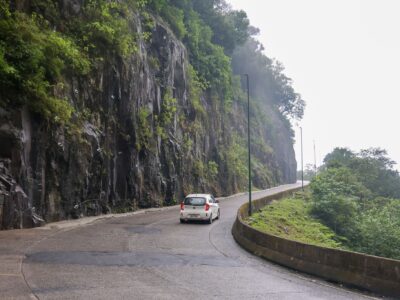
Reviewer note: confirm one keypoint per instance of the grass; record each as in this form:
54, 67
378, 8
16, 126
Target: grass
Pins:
290, 218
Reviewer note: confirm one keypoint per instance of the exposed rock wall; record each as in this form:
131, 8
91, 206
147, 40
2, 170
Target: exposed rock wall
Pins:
116, 159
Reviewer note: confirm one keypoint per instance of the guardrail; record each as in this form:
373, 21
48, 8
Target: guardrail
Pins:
372, 273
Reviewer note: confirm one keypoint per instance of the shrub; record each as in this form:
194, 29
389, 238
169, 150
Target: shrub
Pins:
106, 29
212, 169
144, 129
379, 229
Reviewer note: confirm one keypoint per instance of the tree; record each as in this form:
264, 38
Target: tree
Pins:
379, 229
353, 196
269, 83
230, 27
339, 157
336, 198
375, 170
371, 166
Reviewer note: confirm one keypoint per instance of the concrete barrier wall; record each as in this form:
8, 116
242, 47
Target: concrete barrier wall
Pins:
376, 274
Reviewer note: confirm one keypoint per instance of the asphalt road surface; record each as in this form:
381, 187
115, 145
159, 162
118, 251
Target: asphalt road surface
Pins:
150, 256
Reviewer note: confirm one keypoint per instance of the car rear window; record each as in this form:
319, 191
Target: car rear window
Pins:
195, 201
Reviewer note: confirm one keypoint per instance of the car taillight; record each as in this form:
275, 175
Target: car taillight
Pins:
207, 207
182, 206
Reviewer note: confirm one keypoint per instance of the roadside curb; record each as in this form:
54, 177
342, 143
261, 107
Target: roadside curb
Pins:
71, 224
366, 272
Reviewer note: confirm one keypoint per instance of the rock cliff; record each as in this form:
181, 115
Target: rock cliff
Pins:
142, 140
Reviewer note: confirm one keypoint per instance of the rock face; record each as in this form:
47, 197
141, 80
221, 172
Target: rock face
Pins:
15, 208
119, 159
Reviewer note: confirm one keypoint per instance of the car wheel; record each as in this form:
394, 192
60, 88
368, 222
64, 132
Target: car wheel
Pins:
210, 219
219, 215
182, 221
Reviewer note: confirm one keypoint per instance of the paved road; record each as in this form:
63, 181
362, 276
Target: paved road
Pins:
149, 256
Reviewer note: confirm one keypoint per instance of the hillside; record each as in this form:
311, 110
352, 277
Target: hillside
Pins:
113, 106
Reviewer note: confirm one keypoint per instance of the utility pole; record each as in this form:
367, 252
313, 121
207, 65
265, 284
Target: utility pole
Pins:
302, 170
248, 139
315, 160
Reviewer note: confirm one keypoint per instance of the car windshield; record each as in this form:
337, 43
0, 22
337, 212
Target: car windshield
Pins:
195, 201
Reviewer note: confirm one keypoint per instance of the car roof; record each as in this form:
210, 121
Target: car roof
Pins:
199, 195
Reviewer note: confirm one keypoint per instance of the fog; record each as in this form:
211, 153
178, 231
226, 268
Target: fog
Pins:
343, 57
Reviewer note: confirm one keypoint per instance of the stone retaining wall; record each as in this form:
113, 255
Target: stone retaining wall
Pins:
367, 272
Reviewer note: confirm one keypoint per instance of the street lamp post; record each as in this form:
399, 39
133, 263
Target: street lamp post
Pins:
302, 170
248, 139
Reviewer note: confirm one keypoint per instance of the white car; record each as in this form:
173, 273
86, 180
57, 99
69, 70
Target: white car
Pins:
201, 207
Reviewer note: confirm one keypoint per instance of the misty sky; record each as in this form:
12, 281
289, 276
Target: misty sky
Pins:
344, 58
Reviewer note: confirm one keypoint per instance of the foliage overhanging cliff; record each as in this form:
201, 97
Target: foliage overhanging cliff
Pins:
114, 105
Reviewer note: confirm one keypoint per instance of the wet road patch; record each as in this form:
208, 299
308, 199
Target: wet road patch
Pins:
50, 290
130, 259
142, 230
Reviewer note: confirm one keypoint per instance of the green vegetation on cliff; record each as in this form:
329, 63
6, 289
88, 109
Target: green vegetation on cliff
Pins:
135, 103
33, 60
221, 49
36, 62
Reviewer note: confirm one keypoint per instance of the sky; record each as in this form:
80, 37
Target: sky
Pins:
344, 59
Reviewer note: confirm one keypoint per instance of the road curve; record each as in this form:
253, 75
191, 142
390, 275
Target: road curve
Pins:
153, 256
